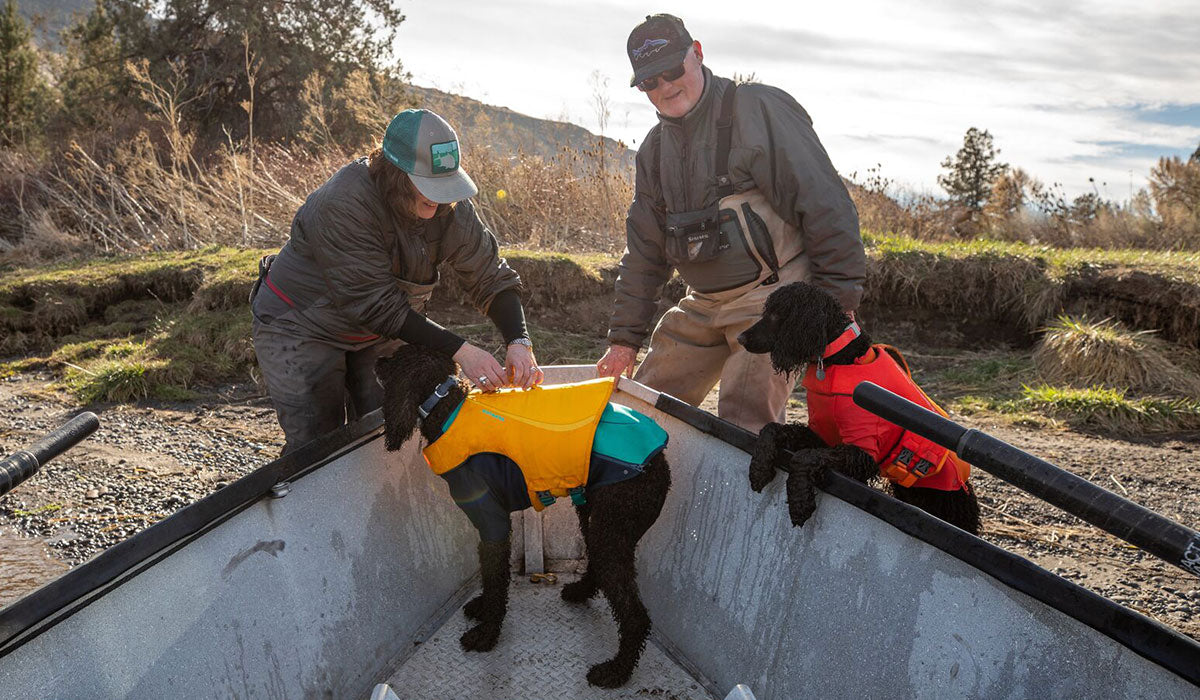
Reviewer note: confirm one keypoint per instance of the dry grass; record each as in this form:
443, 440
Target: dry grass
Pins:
1082, 354
134, 203
565, 203
160, 190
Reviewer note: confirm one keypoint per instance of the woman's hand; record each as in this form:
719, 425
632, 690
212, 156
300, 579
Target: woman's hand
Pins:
480, 367
523, 371
619, 359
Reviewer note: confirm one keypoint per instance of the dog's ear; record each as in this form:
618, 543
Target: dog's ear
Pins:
798, 335
797, 344
399, 422
399, 406
812, 320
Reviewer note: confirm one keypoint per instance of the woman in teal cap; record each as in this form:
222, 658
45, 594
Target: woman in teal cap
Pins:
353, 281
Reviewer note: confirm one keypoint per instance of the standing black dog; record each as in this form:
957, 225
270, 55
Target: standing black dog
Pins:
804, 325
422, 390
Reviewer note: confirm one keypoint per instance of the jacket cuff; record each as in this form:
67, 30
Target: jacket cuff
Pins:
625, 338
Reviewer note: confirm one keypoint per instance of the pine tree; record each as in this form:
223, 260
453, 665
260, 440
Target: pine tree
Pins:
20, 84
93, 81
972, 170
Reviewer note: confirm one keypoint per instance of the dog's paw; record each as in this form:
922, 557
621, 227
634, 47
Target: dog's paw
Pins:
481, 637
579, 591
762, 472
765, 456
475, 608
610, 674
801, 496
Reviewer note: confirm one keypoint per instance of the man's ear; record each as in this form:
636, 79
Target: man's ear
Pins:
699, 51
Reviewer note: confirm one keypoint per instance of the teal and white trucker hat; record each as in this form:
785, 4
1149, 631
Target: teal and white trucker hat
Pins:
423, 145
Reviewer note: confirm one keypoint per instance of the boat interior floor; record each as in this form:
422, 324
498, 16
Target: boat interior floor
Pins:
545, 650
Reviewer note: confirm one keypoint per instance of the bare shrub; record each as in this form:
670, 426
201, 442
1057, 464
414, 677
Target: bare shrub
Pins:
916, 214
571, 202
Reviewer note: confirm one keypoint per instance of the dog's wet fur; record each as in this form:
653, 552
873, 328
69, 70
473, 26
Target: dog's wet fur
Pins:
799, 320
612, 521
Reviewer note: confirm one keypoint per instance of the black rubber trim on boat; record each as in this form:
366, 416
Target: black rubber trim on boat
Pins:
74, 590
1144, 636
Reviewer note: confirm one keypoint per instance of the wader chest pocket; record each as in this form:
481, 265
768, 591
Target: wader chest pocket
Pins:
697, 236
731, 263
761, 237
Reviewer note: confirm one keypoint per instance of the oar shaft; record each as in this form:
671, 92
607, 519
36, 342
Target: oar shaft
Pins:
23, 464
1118, 516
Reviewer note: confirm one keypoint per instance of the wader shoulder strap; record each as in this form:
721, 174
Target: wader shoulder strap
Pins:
724, 134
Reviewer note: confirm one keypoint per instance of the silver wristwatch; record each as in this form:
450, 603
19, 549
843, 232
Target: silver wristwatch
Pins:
522, 341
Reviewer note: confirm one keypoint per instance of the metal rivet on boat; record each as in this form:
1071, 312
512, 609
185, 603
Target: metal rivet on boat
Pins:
281, 489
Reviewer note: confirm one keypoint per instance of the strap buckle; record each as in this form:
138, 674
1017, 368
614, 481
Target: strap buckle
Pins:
438, 394
578, 495
546, 498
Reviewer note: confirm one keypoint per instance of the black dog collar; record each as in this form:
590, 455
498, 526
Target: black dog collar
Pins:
438, 394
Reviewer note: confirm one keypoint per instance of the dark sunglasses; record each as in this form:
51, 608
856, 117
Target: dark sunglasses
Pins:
668, 75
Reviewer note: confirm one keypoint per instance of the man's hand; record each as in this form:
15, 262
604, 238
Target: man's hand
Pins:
618, 360
522, 368
480, 367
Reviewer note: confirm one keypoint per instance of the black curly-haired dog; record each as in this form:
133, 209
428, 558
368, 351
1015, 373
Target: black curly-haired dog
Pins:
612, 521
799, 322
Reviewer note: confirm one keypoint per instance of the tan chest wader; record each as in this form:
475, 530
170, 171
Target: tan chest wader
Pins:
732, 255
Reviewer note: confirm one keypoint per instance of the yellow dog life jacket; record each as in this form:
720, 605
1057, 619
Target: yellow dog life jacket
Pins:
547, 431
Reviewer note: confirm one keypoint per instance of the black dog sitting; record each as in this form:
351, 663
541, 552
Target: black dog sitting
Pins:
804, 325
618, 493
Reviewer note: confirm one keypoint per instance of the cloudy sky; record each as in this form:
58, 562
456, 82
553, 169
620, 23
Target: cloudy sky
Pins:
1069, 90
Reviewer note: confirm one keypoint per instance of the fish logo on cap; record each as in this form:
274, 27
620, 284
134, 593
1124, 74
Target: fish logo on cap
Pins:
651, 46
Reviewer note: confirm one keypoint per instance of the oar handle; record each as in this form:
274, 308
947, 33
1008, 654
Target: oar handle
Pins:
1162, 537
23, 464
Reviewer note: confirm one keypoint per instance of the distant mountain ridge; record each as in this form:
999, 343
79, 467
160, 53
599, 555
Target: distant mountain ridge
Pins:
510, 131
52, 16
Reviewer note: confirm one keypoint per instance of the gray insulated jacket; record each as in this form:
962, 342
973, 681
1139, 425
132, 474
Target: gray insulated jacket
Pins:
774, 149
350, 273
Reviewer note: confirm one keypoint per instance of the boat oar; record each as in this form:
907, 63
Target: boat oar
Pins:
23, 464
1162, 537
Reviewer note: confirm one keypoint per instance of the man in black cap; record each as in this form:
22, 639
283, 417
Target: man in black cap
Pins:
735, 191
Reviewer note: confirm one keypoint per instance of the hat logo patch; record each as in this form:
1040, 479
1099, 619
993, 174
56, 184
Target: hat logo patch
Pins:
651, 46
444, 157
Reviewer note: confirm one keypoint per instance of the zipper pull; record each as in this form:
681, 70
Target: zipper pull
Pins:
820, 369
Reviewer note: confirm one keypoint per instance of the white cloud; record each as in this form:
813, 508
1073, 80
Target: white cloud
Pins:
1060, 85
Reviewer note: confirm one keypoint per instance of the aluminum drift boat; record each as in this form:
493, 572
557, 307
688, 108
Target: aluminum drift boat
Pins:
343, 566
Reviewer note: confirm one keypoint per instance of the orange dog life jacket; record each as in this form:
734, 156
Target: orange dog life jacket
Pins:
547, 430
904, 457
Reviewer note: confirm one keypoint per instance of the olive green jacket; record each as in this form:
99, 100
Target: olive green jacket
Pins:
774, 149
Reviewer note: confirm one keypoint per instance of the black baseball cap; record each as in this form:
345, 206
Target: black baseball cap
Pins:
656, 45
